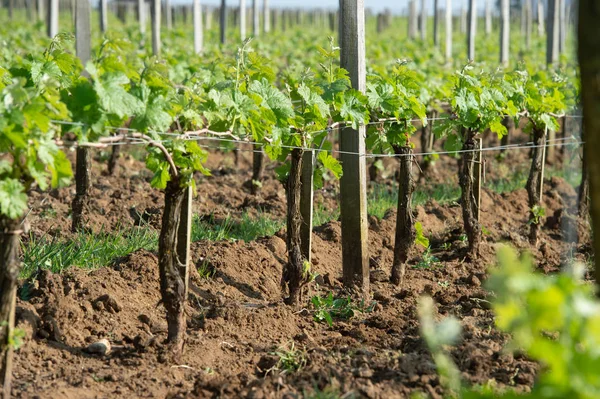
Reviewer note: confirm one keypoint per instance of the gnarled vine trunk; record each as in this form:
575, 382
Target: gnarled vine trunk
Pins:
257, 169
468, 198
405, 229
427, 140
9, 273
113, 161
172, 269
293, 270
83, 166
535, 181
589, 62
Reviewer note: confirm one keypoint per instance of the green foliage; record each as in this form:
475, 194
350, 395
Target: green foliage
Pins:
428, 260
420, 238
289, 359
554, 319
15, 339
537, 214
329, 308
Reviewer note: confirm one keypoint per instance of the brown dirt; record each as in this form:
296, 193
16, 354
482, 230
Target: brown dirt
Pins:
237, 318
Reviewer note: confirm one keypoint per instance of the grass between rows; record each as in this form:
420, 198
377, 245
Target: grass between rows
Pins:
92, 251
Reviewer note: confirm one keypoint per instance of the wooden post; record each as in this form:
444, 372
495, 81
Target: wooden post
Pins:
306, 202
266, 17
553, 32
463, 19
141, 8
255, 18
478, 176
223, 22
504, 31
472, 31
52, 18
103, 12
242, 21
488, 17
528, 23
448, 31
423, 19
41, 9
412, 19
168, 15
156, 20
436, 23
562, 27
540, 18
353, 184
198, 34
184, 234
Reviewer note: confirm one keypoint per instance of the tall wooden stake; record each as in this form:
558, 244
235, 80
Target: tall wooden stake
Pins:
156, 20
504, 31
52, 23
472, 31
184, 235
553, 32
198, 34
412, 19
223, 21
266, 17
423, 19
353, 184
478, 176
488, 17
540, 18
141, 8
448, 31
168, 15
103, 12
255, 18
243, 19
436, 23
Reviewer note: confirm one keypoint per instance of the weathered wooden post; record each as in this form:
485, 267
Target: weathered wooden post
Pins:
562, 42
528, 23
553, 32
423, 19
412, 19
52, 18
478, 176
41, 9
436, 23
198, 34
255, 18
223, 22
103, 12
141, 9
463, 19
504, 31
242, 13
472, 31
353, 184
448, 31
168, 15
540, 18
488, 17
156, 20
266, 17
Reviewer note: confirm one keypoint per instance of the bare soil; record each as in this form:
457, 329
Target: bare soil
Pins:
237, 319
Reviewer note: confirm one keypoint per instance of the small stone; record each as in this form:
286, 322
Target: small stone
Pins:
144, 318
101, 347
379, 276
474, 281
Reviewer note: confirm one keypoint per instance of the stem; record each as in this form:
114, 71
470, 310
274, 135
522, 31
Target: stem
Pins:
171, 268
257, 169
468, 201
534, 182
293, 270
405, 229
114, 159
9, 273
82, 184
